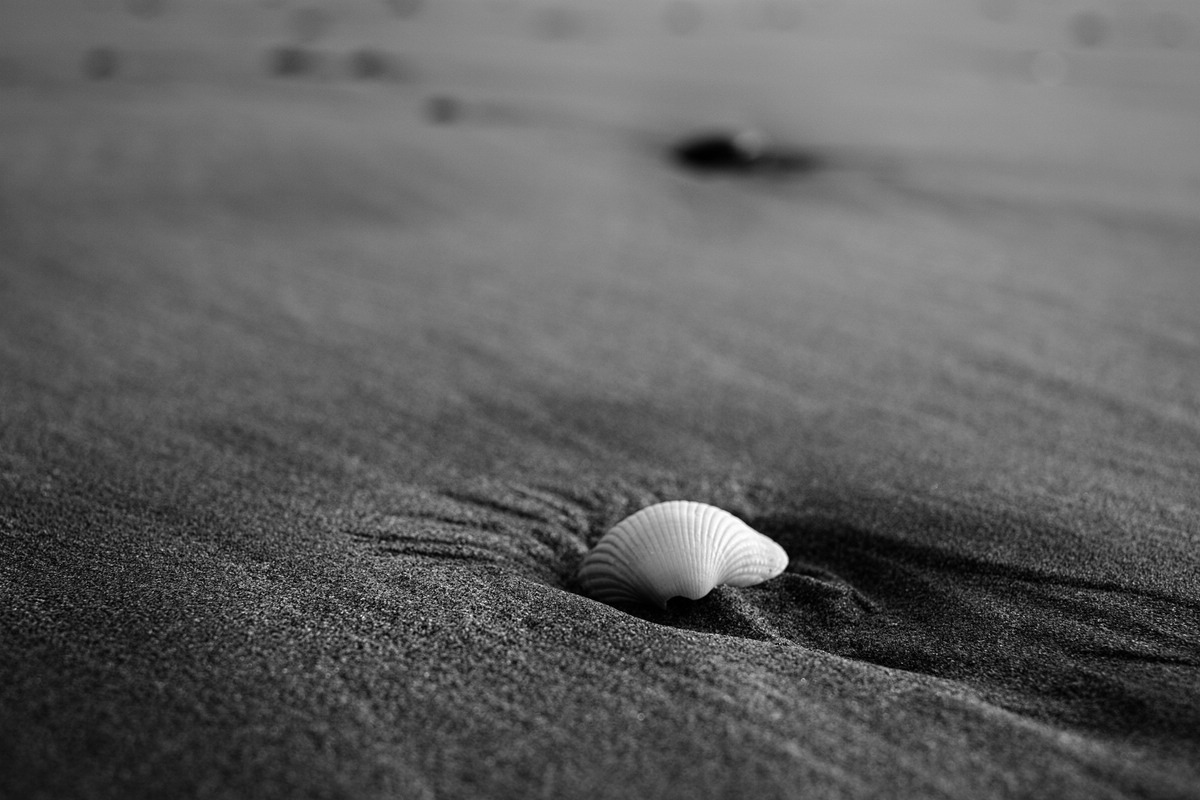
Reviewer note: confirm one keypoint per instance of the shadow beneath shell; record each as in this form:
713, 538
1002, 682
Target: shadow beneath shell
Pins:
723, 611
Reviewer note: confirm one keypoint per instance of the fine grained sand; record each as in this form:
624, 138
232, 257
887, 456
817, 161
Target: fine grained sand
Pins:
304, 429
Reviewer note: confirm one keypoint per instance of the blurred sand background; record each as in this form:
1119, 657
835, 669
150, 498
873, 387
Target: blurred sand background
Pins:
1102, 89
311, 399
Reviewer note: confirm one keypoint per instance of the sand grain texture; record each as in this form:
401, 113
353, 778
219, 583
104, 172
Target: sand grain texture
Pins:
306, 420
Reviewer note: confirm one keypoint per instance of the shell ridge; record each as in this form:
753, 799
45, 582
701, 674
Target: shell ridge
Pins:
635, 550
672, 522
609, 564
693, 554
601, 563
705, 529
638, 553
670, 570
761, 560
731, 529
707, 558
606, 554
606, 575
690, 579
719, 535
725, 533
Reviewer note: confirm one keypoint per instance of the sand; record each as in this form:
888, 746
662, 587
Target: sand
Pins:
310, 409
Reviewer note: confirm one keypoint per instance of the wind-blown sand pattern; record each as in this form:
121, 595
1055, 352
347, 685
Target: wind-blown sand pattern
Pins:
311, 405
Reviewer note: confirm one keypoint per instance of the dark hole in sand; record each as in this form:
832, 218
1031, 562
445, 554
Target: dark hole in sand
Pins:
289, 61
1089, 28
740, 153
443, 109
367, 64
101, 63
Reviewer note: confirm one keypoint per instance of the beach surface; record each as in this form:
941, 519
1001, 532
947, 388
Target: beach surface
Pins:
310, 406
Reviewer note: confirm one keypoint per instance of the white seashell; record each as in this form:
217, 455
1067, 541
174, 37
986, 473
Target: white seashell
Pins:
680, 548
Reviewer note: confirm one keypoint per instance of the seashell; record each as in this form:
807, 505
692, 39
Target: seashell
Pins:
679, 548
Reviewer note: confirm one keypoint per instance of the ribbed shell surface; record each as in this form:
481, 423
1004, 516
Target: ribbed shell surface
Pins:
678, 548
